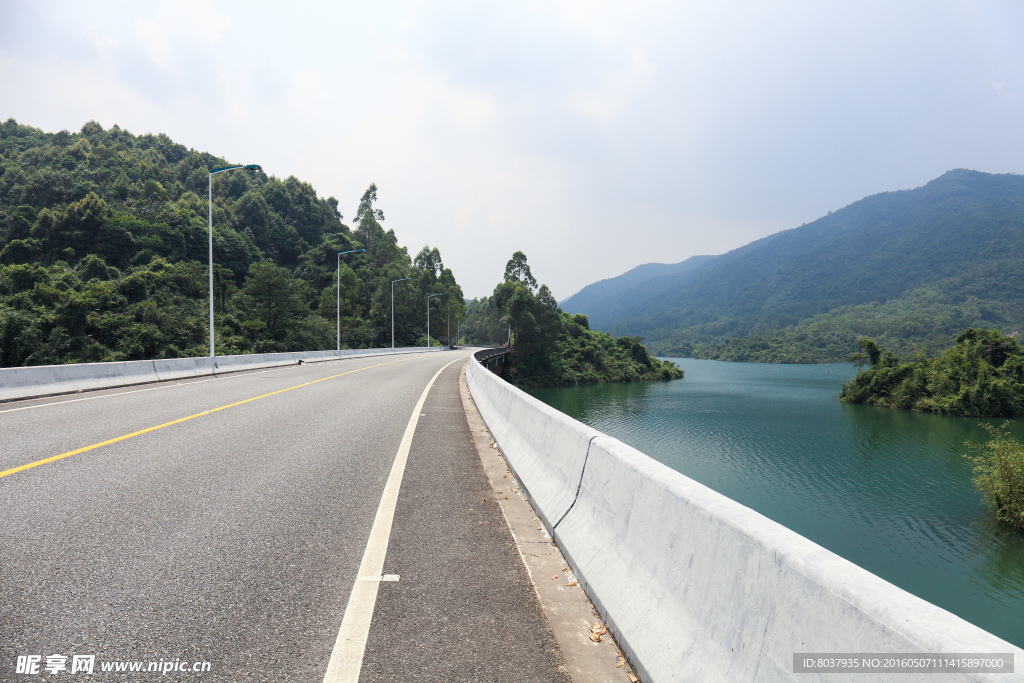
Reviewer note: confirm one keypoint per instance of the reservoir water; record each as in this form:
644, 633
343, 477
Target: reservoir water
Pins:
888, 490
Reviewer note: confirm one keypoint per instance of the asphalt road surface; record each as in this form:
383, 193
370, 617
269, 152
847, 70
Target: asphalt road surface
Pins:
226, 536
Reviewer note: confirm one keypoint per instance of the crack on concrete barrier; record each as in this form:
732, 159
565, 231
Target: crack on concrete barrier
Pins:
579, 484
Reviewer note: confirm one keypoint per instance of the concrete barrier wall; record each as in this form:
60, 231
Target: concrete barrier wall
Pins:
696, 586
46, 380
24, 382
544, 451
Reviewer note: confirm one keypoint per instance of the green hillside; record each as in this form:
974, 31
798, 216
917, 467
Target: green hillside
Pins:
103, 256
910, 268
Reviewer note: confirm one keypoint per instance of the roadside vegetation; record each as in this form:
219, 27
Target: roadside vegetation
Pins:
551, 347
103, 256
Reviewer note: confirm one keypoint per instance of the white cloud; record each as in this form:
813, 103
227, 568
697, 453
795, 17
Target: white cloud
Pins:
609, 99
1001, 90
306, 98
593, 135
180, 20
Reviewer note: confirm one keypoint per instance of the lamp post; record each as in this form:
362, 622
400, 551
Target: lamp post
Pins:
428, 319
393, 310
350, 251
221, 169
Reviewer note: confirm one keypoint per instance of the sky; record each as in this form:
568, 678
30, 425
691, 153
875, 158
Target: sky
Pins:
592, 136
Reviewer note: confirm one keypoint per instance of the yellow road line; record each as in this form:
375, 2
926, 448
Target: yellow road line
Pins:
54, 458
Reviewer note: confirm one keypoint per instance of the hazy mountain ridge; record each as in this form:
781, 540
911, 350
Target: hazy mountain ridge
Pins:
873, 252
606, 293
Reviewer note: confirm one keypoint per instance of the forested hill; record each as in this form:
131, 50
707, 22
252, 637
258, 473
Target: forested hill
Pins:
103, 256
910, 268
614, 293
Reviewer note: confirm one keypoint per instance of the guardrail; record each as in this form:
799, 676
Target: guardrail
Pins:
693, 585
492, 358
47, 380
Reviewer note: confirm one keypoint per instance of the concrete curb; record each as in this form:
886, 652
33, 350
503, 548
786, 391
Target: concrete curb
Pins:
48, 380
696, 586
569, 612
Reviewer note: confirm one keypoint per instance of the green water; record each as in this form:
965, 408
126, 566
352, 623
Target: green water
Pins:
888, 490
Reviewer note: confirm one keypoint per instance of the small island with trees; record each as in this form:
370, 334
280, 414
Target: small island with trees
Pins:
981, 375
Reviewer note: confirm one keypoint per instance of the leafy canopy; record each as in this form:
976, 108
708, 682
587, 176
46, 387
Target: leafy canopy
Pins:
103, 256
551, 347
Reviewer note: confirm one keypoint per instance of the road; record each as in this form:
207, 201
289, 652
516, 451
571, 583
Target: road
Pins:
221, 523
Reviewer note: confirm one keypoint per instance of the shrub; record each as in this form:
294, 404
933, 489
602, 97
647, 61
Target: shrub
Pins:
999, 474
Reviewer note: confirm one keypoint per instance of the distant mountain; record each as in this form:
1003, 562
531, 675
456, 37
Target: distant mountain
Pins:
912, 267
610, 294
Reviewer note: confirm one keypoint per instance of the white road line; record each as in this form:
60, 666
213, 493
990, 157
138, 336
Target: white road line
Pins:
347, 656
93, 398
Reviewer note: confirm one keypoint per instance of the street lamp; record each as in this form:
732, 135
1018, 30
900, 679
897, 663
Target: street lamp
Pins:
428, 318
222, 169
350, 251
393, 310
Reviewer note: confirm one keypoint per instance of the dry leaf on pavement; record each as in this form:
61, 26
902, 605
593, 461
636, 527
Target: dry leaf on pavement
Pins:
598, 631
622, 663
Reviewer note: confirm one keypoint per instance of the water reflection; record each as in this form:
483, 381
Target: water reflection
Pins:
889, 490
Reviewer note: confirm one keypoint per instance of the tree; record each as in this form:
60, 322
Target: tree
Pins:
366, 209
380, 245
74, 227
273, 305
517, 270
550, 347
873, 350
429, 261
998, 468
